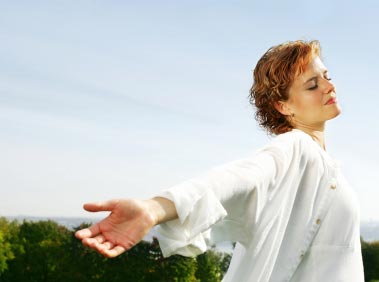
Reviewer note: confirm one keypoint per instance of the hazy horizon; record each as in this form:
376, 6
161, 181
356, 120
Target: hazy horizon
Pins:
369, 229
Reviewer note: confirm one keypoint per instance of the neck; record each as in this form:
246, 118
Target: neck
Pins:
317, 134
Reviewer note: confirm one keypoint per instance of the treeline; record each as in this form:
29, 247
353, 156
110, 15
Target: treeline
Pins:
46, 251
370, 254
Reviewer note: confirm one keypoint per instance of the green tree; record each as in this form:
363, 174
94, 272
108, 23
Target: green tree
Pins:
159, 269
370, 255
136, 265
79, 263
225, 262
209, 269
212, 265
8, 243
144, 262
45, 251
42, 254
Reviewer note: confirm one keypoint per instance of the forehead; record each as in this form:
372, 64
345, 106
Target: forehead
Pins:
314, 67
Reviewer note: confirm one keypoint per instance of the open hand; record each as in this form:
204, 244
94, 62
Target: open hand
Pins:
127, 224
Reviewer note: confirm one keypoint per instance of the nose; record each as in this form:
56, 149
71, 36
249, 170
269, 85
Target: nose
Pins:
328, 86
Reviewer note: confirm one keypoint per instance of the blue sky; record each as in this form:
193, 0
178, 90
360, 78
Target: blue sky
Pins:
108, 99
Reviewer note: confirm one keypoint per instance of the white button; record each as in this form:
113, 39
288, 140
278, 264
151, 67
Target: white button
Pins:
333, 186
318, 221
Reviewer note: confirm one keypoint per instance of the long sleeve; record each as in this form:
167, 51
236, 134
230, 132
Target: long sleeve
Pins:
229, 198
277, 205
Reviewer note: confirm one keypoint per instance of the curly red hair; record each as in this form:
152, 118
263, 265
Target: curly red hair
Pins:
273, 76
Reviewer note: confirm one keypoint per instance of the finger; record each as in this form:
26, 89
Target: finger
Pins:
91, 242
83, 233
102, 248
114, 252
106, 246
100, 206
100, 238
89, 232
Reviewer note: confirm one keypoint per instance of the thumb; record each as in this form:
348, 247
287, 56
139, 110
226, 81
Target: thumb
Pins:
100, 206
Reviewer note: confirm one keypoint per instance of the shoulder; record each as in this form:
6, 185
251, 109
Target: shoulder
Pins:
295, 139
293, 145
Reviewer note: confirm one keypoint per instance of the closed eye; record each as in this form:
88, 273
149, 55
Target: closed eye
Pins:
313, 87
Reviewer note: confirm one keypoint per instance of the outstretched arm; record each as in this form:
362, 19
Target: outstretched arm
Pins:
127, 224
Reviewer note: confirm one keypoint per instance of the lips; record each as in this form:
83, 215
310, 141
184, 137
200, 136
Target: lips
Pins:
331, 101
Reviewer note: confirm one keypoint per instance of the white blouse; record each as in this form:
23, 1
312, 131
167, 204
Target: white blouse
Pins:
293, 215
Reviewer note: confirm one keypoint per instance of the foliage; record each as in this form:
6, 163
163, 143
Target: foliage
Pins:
8, 245
212, 266
45, 251
42, 250
370, 255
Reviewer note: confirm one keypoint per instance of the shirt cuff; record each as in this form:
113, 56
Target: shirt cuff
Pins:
198, 209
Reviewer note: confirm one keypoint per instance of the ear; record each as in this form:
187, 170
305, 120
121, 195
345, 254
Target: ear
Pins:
282, 108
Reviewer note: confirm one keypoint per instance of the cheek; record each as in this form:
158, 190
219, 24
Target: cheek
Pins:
309, 101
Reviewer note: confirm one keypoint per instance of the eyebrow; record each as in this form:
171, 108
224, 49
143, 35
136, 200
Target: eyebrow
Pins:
312, 78
315, 77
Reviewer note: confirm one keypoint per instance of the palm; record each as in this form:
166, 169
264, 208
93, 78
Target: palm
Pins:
127, 224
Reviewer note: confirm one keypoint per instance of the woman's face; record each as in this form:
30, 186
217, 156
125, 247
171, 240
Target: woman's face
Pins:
312, 97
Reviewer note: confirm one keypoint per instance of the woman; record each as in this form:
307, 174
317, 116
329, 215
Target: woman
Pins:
291, 212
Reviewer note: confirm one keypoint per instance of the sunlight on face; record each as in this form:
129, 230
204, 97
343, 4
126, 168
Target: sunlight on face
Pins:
312, 97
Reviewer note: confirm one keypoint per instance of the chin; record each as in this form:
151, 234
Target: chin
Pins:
336, 113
